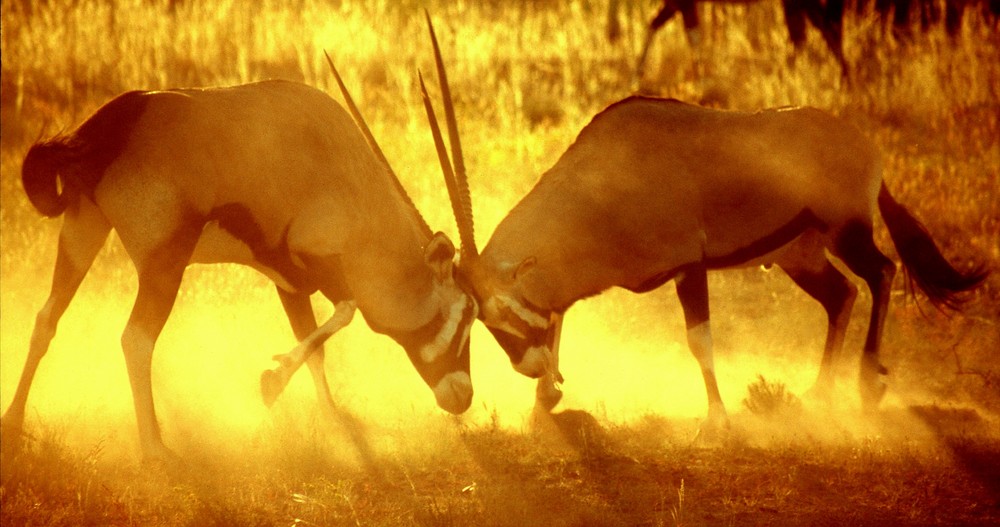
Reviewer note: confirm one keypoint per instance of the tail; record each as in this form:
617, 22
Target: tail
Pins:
78, 159
922, 260
39, 174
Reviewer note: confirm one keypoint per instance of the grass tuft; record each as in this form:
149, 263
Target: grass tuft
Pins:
770, 399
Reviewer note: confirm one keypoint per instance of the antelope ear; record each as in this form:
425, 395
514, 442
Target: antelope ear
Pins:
440, 256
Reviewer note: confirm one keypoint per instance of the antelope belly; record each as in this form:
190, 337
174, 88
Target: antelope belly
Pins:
217, 245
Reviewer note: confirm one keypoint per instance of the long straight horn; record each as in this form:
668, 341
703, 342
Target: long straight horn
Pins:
373, 144
458, 188
446, 168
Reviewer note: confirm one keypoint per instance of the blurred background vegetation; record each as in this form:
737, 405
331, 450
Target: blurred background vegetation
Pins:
528, 74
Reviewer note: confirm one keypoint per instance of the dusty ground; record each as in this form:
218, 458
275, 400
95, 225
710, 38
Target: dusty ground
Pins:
927, 466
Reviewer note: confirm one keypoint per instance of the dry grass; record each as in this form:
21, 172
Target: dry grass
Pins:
527, 76
571, 471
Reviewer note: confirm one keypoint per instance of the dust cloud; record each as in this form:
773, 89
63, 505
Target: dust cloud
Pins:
624, 359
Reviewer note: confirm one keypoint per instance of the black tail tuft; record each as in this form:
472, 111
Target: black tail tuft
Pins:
39, 174
78, 159
922, 260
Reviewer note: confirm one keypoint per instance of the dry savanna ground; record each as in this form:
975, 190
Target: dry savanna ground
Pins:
527, 76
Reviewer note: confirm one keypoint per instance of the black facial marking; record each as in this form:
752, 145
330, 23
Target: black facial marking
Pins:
516, 346
513, 346
413, 341
417, 338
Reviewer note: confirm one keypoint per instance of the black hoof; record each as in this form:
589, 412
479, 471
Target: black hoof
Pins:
547, 396
713, 431
871, 385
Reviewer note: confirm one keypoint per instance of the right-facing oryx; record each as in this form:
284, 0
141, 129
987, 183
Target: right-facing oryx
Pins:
274, 175
655, 190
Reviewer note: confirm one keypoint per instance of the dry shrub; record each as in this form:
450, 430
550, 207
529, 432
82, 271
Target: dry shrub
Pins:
770, 399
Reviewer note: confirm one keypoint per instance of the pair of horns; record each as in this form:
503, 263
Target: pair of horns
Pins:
454, 174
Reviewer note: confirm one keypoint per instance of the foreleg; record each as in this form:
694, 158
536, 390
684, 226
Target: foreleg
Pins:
692, 289
273, 382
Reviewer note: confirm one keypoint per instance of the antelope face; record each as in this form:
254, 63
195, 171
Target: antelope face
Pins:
525, 331
439, 349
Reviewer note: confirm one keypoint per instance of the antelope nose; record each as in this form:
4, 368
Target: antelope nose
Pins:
454, 392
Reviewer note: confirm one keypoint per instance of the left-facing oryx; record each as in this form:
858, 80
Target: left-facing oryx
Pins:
656, 190
274, 175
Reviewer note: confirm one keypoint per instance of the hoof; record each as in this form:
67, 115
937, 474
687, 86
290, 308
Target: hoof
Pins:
159, 457
547, 395
714, 430
822, 392
14, 437
870, 383
270, 387
872, 391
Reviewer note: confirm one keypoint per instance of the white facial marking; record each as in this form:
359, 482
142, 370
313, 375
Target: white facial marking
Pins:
506, 327
454, 392
494, 306
442, 340
466, 330
529, 317
535, 362
700, 342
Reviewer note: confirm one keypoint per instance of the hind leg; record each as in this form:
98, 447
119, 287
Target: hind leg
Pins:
855, 246
692, 290
807, 265
160, 266
83, 233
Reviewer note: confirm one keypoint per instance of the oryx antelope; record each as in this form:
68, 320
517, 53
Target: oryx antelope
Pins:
826, 16
655, 190
274, 175
900, 14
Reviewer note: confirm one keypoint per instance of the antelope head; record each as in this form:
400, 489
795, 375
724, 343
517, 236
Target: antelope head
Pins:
438, 349
526, 331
